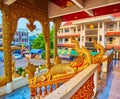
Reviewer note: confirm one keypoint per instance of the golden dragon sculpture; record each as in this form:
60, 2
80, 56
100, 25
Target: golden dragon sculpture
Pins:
59, 70
97, 58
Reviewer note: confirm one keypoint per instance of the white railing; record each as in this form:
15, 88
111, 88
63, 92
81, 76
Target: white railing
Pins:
106, 64
67, 90
111, 29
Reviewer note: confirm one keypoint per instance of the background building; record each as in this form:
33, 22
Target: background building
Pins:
21, 37
104, 29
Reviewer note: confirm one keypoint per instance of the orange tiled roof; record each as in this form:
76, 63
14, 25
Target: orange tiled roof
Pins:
113, 33
66, 35
66, 45
116, 47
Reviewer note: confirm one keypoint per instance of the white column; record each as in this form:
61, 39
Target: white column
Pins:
70, 30
69, 41
103, 34
63, 41
81, 32
118, 28
58, 41
98, 32
84, 35
63, 30
76, 29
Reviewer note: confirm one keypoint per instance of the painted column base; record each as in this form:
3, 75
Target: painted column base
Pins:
9, 88
104, 67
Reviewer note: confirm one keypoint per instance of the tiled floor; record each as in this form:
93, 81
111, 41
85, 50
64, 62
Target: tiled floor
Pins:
108, 85
22, 93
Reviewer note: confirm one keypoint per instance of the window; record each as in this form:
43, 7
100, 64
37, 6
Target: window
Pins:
66, 30
82, 38
90, 39
110, 39
66, 40
16, 40
74, 30
96, 27
111, 27
78, 29
66, 48
60, 40
0, 29
0, 36
59, 31
100, 38
22, 40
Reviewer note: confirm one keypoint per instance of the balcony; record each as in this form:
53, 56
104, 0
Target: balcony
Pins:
91, 32
111, 29
66, 45
68, 35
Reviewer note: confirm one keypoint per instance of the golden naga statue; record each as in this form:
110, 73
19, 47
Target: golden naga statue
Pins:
30, 69
60, 70
13, 69
57, 60
97, 58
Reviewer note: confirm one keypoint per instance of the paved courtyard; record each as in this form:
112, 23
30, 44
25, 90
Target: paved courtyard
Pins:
23, 63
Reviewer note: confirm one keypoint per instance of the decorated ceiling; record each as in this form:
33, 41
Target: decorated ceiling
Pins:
97, 11
77, 9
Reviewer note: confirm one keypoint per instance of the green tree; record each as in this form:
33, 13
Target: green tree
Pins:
51, 37
39, 43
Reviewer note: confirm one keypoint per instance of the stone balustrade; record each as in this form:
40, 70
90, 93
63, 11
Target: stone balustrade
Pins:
82, 85
109, 57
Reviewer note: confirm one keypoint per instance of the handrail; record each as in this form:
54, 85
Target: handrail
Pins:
68, 89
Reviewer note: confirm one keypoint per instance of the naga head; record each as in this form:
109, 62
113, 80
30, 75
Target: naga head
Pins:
30, 69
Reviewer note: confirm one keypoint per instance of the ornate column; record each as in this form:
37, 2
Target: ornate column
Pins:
57, 23
46, 34
8, 30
